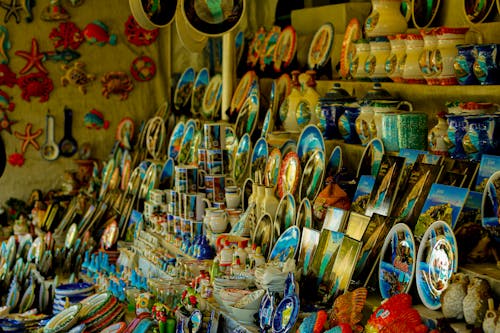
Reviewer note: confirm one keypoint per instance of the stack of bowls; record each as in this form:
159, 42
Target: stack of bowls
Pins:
100, 311
71, 293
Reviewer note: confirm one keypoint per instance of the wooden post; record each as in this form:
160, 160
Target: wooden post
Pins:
228, 72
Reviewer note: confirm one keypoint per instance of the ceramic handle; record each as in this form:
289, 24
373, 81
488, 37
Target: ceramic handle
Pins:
408, 104
477, 36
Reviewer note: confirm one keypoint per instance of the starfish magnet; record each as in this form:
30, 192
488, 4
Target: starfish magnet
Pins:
5, 123
28, 137
15, 8
34, 58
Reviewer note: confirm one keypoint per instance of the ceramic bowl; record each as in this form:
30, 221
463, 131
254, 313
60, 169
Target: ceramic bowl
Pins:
72, 289
243, 315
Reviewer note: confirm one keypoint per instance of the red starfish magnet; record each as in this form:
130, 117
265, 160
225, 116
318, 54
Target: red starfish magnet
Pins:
34, 58
5, 123
28, 137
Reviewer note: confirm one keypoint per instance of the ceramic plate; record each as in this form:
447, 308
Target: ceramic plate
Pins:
239, 44
248, 115
285, 213
267, 51
283, 88
321, 46
255, 47
310, 140
190, 38
63, 320
199, 88
192, 158
371, 158
212, 98
167, 173
289, 176
304, 214
286, 245
266, 311
312, 176
92, 304
490, 212
352, 34
78, 288
476, 11
213, 18
14, 294
107, 174
263, 234
174, 145
246, 192
115, 328
184, 89
288, 146
272, 170
268, 124
241, 159
437, 260
185, 146
242, 92
260, 155
286, 315
334, 163
110, 235
397, 261
285, 49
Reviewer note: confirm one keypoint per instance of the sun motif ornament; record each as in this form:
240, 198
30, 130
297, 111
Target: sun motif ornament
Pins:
35, 84
77, 76
5, 123
143, 68
137, 35
34, 58
66, 36
28, 137
15, 8
117, 83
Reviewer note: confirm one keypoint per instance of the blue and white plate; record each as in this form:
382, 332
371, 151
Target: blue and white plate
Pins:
286, 314
174, 145
242, 159
334, 162
260, 155
304, 214
71, 289
184, 88
311, 181
287, 244
266, 311
437, 260
310, 140
397, 261
212, 98
187, 140
285, 213
371, 158
199, 87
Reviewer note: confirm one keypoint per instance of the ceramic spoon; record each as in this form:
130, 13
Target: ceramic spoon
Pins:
68, 144
50, 150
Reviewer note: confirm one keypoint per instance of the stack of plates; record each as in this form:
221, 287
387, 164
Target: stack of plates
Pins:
100, 311
71, 293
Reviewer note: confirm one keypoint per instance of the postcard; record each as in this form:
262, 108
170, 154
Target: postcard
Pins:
489, 164
472, 209
411, 155
362, 194
432, 159
328, 245
335, 219
443, 203
343, 266
308, 245
467, 168
491, 205
356, 225
452, 178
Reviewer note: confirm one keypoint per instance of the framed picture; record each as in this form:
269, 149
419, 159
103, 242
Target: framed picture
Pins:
328, 245
362, 194
356, 225
308, 245
335, 219
344, 265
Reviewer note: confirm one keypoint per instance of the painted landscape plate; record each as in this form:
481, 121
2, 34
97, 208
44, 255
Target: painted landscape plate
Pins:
397, 261
371, 158
241, 159
255, 46
304, 214
285, 213
352, 34
289, 176
310, 140
186, 141
286, 315
437, 260
282, 90
248, 115
312, 176
199, 88
184, 89
267, 51
167, 173
268, 124
174, 145
321, 46
263, 234
287, 244
260, 154
490, 211
334, 163
285, 49
212, 97
272, 170
242, 91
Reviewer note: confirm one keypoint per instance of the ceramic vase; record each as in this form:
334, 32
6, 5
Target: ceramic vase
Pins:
463, 65
380, 48
385, 19
410, 67
270, 202
426, 64
347, 124
398, 50
487, 64
438, 141
289, 105
446, 51
359, 56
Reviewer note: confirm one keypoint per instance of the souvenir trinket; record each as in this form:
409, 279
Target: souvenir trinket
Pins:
50, 150
347, 309
77, 76
255, 46
143, 68
321, 46
54, 12
475, 303
314, 323
286, 47
267, 51
35, 84
452, 298
66, 35
15, 8
4, 45
28, 138
137, 35
16, 159
7, 76
5, 102
68, 145
116, 83
34, 58
66, 56
6, 123
97, 33
95, 120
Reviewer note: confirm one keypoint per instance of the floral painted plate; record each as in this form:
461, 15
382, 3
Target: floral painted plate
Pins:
321, 46
260, 155
248, 115
286, 314
272, 170
287, 244
199, 88
255, 47
304, 214
285, 213
186, 142
334, 163
490, 212
241, 159
288, 180
310, 140
285, 49
312, 176
267, 51
397, 261
371, 158
184, 89
64, 320
352, 34
174, 145
437, 260
212, 98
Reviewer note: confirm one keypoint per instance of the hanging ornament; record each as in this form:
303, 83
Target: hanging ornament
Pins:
137, 35
98, 33
143, 68
54, 12
34, 58
95, 120
28, 138
76, 75
66, 36
5, 123
35, 84
4, 45
15, 8
16, 159
117, 83
5, 103
7, 76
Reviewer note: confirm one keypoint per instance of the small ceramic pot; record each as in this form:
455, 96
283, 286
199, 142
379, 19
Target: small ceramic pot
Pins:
463, 65
233, 197
218, 221
487, 64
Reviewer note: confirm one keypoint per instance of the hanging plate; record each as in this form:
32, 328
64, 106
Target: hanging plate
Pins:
242, 92
212, 98
286, 245
174, 146
241, 159
199, 88
285, 49
255, 46
321, 46
351, 35
184, 89
312, 176
289, 176
260, 155
268, 47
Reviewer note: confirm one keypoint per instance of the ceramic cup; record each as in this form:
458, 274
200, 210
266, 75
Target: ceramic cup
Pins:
233, 197
202, 159
487, 63
186, 227
194, 205
215, 187
186, 179
215, 161
214, 135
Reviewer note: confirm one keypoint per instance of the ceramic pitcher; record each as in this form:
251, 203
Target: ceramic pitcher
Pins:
358, 60
410, 67
385, 19
398, 50
446, 51
380, 48
426, 57
487, 63
464, 63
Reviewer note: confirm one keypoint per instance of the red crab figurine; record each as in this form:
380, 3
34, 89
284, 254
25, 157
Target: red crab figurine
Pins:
116, 83
7, 76
35, 84
5, 102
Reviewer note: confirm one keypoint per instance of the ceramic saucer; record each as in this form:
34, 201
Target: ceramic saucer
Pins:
286, 245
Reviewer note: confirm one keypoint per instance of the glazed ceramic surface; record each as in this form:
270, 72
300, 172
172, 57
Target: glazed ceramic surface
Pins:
174, 145
490, 212
185, 146
272, 170
263, 234
268, 48
242, 91
334, 162
304, 214
248, 115
285, 49
312, 176
242, 159
371, 158
285, 213
286, 315
287, 244
351, 35
199, 88
212, 98
260, 156
321, 46
289, 175
385, 19
310, 140
63, 320
184, 88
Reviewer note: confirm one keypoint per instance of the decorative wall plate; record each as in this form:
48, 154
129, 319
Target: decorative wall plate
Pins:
174, 145
397, 261
288, 146
199, 88
255, 46
437, 260
310, 140
242, 91
289, 176
167, 173
285, 49
311, 181
490, 211
334, 162
304, 214
241, 159
283, 88
267, 125
286, 314
260, 156
248, 115
371, 158
212, 98
186, 142
263, 234
321, 46
285, 213
266, 311
268, 47
287, 244
184, 89
272, 170
71, 235
352, 34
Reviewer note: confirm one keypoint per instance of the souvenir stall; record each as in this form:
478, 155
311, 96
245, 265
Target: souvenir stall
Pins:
346, 180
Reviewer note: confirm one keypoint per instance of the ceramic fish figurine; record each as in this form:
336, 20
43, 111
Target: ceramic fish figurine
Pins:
314, 323
98, 33
475, 303
95, 120
453, 296
347, 309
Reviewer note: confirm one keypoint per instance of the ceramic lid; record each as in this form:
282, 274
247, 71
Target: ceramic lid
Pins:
337, 93
377, 92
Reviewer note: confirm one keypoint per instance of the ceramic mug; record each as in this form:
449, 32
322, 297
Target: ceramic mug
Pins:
215, 187
202, 159
186, 179
194, 205
233, 197
186, 227
157, 196
214, 135
214, 161
172, 202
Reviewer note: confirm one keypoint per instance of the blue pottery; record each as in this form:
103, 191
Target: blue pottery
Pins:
463, 65
329, 110
486, 65
347, 124
478, 139
457, 127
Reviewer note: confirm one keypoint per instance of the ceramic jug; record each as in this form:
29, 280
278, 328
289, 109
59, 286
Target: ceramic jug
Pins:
380, 48
289, 105
385, 19
304, 113
446, 51
478, 139
426, 57
358, 60
487, 64
270, 202
410, 67
464, 63
457, 127
398, 50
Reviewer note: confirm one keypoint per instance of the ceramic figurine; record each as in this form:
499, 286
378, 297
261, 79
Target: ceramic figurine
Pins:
95, 120
7, 76
491, 318
475, 303
160, 313
116, 83
453, 296
37, 85
98, 33
259, 258
76, 75
438, 140
14, 8
54, 12
314, 323
347, 309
